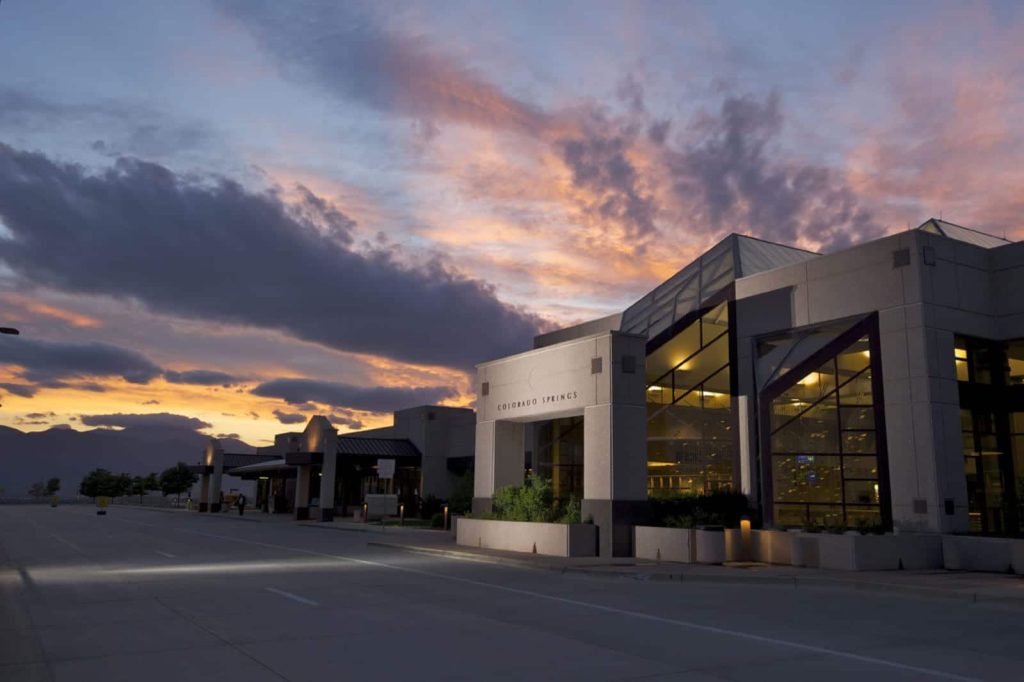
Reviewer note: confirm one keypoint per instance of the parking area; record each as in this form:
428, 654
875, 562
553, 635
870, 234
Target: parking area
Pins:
140, 594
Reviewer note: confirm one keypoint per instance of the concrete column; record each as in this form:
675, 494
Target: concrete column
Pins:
212, 457
204, 493
302, 492
328, 475
615, 473
500, 458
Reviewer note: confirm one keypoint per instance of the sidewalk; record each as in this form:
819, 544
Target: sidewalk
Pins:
993, 589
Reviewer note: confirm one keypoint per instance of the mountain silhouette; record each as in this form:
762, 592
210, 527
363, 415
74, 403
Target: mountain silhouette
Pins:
26, 458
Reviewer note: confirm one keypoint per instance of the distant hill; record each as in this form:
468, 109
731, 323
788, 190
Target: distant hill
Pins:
68, 454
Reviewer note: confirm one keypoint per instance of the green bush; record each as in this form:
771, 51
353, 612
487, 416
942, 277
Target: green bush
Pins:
720, 508
437, 520
532, 501
571, 511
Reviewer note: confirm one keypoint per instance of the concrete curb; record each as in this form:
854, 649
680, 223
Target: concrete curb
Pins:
809, 581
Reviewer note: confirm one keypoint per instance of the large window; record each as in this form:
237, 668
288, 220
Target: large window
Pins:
991, 377
560, 455
689, 409
824, 442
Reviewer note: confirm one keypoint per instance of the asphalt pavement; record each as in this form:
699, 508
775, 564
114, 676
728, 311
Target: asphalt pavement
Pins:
143, 595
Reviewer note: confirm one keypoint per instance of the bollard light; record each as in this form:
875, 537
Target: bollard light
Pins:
401, 514
446, 517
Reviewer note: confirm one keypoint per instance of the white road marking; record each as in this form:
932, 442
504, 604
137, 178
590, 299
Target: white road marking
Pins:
66, 542
166, 554
609, 609
289, 595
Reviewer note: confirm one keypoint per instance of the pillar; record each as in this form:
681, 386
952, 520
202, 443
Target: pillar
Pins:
615, 473
500, 459
210, 495
302, 492
204, 493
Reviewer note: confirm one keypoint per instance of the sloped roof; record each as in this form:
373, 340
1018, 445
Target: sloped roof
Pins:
734, 257
272, 464
239, 459
376, 447
963, 234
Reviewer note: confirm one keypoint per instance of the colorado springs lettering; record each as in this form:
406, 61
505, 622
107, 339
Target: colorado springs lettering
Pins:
543, 400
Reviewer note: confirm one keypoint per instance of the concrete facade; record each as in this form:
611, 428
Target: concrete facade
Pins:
599, 377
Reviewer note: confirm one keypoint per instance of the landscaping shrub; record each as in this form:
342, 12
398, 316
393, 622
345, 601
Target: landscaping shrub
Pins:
720, 508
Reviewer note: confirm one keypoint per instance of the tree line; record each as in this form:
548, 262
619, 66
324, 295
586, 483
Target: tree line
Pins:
173, 481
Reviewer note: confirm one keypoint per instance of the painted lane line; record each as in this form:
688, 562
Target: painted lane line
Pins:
166, 554
809, 648
289, 595
66, 542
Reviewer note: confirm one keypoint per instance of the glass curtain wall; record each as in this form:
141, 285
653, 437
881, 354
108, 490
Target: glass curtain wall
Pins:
824, 444
991, 379
689, 408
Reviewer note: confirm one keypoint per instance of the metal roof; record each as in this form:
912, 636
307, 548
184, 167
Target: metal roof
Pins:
259, 467
734, 257
239, 459
962, 234
376, 447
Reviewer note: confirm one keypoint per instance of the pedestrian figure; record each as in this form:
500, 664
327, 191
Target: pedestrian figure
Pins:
241, 505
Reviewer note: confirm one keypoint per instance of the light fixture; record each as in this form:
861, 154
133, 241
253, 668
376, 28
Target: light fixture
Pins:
809, 380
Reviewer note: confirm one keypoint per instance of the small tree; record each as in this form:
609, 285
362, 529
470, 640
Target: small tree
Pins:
139, 487
52, 486
122, 485
38, 489
99, 482
177, 479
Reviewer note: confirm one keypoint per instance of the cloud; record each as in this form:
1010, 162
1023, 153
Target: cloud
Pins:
20, 390
50, 364
289, 417
131, 129
155, 420
207, 248
345, 420
200, 377
359, 60
375, 399
732, 180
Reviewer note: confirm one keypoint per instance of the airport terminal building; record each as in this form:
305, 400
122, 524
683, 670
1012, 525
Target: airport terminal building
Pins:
317, 474
881, 386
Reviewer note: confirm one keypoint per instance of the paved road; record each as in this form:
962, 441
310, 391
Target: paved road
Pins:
144, 595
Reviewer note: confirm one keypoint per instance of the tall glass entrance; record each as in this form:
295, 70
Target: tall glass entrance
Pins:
991, 381
823, 434
689, 408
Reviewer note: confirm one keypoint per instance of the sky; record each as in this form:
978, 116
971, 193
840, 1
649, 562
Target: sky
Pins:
231, 215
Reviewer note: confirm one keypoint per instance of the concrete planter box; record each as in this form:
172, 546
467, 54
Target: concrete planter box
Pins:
710, 546
803, 549
551, 539
856, 552
1017, 556
665, 544
997, 555
772, 546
